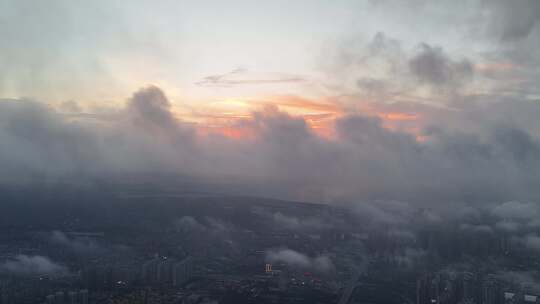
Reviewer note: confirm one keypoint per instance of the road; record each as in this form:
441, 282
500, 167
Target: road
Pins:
346, 296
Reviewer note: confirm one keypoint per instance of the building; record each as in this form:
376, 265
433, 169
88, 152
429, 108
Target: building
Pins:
59, 297
492, 292
182, 271
73, 297
83, 296
427, 290
164, 271
268, 268
149, 271
50, 299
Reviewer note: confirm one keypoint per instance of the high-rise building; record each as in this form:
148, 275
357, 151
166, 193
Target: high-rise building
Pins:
427, 289
4, 296
469, 291
73, 297
491, 291
149, 271
83, 296
164, 273
182, 271
51, 299
59, 297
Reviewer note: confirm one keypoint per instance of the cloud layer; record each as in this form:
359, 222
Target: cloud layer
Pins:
299, 260
25, 265
486, 161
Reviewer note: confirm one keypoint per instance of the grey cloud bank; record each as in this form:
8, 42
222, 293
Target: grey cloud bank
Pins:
296, 259
32, 265
365, 160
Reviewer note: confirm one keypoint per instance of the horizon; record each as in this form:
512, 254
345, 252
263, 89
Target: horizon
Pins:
262, 152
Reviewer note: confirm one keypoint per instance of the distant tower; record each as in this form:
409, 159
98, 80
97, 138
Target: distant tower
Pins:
83, 294
492, 292
182, 271
268, 268
73, 297
50, 299
59, 297
428, 289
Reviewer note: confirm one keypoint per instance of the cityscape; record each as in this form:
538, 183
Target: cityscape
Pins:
270, 152
231, 249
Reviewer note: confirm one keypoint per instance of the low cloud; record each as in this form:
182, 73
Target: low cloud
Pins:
485, 229
531, 241
26, 265
411, 257
294, 258
302, 223
81, 245
526, 279
210, 225
517, 210
283, 158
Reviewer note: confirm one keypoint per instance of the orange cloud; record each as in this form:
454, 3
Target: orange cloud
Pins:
303, 104
224, 117
397, 116
229, 131
495, 66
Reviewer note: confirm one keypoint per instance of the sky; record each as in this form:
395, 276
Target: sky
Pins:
318, 100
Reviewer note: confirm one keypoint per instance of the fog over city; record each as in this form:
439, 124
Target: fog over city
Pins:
269, 151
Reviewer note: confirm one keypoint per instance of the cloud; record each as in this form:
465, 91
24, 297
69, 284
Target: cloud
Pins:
525, 279
296, 259
243, 77
390, 213
508, 226
410, 257
150, 110
510, 22
477, 228
307, 223
25, 265
533, 241
515, 210
207, 225
432, 66
79, 245
471, 155
188, 223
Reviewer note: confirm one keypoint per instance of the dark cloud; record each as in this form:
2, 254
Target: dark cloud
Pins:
513, 27
384, 70
512, 21
432, 66
150, 110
